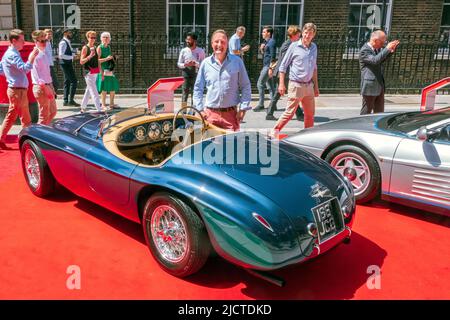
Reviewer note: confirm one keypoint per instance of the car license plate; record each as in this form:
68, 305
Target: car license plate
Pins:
329, 219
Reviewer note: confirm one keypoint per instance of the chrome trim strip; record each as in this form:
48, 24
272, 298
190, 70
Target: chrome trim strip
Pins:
427, 196
432, 182
433, 172
426, 188
268, 227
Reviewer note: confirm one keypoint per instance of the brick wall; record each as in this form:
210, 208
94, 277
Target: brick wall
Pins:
27, 17
416, 17
330, 16
104, 15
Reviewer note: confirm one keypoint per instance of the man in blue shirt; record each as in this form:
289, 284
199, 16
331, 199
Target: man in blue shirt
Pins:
15, 71
301, 59
227, 83
268, 50
234, 45
294, 32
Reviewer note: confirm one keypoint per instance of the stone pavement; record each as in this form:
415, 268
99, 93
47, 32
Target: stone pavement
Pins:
328, 107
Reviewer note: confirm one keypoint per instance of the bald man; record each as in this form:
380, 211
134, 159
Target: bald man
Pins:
371, 58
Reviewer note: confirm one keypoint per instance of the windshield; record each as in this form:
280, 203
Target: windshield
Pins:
122, 116
410, 121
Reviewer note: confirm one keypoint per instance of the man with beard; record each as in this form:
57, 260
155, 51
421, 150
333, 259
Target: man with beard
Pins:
189, 61
227, 83
66, 55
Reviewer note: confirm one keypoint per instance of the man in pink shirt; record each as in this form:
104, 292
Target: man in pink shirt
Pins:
42, 80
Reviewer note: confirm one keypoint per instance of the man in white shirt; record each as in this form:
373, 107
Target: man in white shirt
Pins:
51, 59
42, 80
189, 61
66, 56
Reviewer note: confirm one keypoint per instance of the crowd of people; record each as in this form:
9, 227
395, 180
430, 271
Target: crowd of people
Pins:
223, 75
97, 61
228, 88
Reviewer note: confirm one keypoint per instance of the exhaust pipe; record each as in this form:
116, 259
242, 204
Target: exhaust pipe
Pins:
273, 279
347, 240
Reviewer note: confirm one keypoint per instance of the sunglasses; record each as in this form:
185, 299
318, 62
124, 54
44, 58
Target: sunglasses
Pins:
41, 41
92, 38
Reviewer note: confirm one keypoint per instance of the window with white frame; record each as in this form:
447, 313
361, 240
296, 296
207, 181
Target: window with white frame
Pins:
280, 14
184, 16
366, 16
53, 14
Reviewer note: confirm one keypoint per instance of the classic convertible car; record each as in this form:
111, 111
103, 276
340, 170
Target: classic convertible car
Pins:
403, 156
130, 163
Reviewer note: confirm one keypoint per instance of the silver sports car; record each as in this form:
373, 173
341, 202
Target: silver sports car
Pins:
405, 157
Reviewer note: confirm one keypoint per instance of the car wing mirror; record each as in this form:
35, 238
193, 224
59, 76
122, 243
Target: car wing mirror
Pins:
425, 134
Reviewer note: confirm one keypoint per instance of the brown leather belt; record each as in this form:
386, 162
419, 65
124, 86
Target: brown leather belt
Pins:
223, 109
18, 88
302, 82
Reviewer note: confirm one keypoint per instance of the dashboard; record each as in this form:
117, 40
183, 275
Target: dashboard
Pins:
150, 132
147, 133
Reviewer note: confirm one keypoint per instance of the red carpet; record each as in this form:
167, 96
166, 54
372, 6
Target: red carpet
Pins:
40, 238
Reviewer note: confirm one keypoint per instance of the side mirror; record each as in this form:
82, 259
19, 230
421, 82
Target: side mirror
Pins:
422, 134
425, 134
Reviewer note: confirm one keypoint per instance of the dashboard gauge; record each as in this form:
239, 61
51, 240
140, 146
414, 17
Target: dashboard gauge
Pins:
154, 130
167, 127
139, 133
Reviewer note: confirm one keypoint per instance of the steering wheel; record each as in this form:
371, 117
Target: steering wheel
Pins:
189, 125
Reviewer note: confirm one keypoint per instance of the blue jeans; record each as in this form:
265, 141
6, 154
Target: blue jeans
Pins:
264, 81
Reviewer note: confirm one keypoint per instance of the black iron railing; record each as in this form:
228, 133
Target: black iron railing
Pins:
418, 61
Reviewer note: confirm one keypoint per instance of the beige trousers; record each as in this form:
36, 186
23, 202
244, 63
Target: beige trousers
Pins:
298, 93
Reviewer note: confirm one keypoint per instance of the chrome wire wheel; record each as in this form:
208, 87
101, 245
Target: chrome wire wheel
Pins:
169, 233
32, 169
355, 169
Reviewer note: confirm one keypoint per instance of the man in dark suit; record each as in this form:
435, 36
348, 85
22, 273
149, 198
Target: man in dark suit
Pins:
371, 58
294, 34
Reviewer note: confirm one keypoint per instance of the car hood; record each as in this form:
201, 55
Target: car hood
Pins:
362, 123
